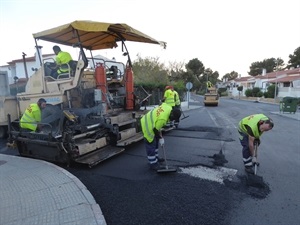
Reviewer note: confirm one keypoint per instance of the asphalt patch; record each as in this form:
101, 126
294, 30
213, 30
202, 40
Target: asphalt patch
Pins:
219, 159
241, 184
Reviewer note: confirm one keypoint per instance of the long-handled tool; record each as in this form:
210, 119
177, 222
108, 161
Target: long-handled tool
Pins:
166, 169
255, 155
253, 179
184, 117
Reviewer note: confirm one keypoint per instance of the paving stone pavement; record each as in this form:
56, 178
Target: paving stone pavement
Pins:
37, 192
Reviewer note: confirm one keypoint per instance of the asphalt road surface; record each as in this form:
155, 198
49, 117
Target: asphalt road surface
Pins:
210, 186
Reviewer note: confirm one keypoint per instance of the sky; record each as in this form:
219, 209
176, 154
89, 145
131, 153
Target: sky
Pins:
225, 35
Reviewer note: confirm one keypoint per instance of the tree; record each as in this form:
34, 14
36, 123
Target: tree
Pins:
176, 71
269, 65
240, 89
271, 91
230, 76
194, 69
196, 66
211, 75
294, 60
149, 71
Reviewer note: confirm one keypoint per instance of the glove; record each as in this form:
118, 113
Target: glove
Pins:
257, 141
161, 141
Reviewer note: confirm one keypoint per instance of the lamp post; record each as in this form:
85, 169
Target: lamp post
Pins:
206, 74
275, 91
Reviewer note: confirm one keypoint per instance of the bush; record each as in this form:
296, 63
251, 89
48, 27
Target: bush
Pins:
221, 90
224, 94
240, 88
266, 94
255, 92
248, 93
259, 94
271, 91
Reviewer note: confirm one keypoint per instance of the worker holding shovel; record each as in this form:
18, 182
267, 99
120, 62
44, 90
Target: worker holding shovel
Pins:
250, 129
152, 123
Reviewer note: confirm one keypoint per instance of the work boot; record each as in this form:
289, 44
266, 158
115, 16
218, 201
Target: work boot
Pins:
160, 159
249, 169
154, 166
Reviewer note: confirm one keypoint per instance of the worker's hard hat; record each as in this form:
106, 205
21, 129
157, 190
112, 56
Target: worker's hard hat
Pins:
168, 87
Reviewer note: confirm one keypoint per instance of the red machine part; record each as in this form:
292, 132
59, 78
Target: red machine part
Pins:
100, 76
129, 86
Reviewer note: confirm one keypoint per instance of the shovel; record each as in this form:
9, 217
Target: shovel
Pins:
166, 168
253, 179
184, 117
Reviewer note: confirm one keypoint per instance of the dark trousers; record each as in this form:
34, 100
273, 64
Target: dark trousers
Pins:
177, 113
247, 158
152, 150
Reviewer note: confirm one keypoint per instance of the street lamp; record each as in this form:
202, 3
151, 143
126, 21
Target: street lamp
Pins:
275, 92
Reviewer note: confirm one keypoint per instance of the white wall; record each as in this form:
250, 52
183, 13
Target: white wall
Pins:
18, 69
4, 87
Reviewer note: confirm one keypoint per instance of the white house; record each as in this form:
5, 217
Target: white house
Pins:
17, 68
23, 68
287, 81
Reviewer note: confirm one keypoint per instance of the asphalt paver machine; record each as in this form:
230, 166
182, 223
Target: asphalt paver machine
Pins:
92, 112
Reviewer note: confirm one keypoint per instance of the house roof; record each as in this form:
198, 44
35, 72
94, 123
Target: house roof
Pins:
27, 59
286, 79
279, 73
282, 76
241, 79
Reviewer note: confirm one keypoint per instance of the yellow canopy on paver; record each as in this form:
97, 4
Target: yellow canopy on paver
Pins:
93, 35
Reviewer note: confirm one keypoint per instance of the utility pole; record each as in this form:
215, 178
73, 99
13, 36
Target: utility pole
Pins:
25, 66
275, 91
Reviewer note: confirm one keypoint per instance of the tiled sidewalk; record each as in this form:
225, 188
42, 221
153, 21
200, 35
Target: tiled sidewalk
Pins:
37, 192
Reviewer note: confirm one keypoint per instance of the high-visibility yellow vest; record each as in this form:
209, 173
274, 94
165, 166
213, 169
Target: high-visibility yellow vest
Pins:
156, 118
253, 122
31, 117
169, 97
63, 58
209, 84
177, 99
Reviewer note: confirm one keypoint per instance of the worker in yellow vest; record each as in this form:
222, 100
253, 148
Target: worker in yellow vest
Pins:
177, 107
33, 116
250, 129
209, 84
169, 96
176, 97
61, 61
152, 123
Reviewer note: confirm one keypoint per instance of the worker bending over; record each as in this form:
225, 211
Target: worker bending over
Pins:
33, 116
250, 129
152, 123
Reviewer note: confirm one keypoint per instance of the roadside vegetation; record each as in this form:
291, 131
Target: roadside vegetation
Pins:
153, 75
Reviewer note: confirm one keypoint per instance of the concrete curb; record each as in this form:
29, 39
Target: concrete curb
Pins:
65, 198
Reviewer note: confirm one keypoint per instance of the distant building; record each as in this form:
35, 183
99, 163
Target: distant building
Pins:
287, 81
16, 68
